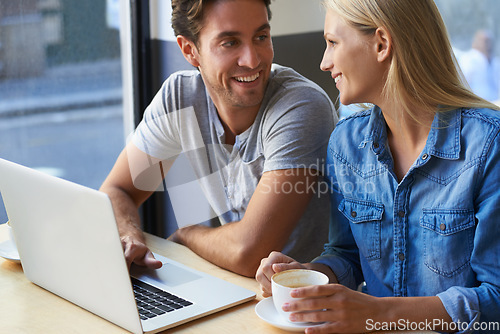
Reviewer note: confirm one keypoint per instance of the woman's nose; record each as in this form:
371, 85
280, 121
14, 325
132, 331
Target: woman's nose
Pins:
326, 64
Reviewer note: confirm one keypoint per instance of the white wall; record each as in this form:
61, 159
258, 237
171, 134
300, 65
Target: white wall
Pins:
289, 17
296, 16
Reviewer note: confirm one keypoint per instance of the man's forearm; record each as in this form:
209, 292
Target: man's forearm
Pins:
268, 222
126, 214
222, 246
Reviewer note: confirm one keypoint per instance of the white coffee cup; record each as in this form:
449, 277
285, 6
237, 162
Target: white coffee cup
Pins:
10, 233
284, 282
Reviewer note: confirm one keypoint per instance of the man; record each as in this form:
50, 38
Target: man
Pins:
254, 133
481, 68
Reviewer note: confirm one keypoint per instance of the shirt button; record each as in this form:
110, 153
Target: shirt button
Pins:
401, 214
401, 256
442, 227
375, 145
425, 156
354, 214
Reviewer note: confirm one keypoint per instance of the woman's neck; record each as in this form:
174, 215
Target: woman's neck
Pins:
406, 136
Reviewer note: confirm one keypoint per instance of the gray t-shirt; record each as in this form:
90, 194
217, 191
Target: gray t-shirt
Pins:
213, 179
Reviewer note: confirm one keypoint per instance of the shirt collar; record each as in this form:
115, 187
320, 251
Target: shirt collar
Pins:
444, 137
377, 132
214, 117
443, 140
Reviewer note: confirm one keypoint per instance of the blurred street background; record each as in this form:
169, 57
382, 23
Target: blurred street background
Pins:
61, 87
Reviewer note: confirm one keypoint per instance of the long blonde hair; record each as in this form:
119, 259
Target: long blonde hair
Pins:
423, 68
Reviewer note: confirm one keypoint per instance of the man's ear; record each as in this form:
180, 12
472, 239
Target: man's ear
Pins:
384, 44
189, 50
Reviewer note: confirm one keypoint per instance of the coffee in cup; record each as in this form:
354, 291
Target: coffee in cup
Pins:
284, 282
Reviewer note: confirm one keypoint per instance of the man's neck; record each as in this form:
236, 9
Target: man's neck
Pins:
236, 121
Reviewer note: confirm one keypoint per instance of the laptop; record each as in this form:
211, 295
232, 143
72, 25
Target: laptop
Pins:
68, 242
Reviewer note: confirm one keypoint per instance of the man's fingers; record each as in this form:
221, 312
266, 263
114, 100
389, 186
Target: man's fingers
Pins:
151, 262
279, 267
139, 253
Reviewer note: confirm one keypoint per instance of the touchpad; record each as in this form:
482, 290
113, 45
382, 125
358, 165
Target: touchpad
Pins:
169, 274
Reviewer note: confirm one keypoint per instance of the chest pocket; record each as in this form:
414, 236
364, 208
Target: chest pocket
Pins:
448, 240
365, 218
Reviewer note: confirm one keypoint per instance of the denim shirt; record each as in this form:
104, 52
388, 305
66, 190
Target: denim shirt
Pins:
434, 233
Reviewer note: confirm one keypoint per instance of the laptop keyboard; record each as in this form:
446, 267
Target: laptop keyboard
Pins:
152, 301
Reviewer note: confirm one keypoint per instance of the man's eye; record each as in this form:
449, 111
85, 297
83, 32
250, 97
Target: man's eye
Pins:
229, 43
262, 37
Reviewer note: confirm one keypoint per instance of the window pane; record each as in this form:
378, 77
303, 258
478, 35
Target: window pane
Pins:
474, 27
61, 87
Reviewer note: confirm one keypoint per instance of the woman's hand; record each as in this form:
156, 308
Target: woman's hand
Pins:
343, 310
272, 264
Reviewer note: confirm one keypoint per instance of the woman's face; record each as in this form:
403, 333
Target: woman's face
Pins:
352, 59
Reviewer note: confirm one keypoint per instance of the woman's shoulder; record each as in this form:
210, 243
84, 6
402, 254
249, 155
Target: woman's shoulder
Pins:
480, 130
359, 118
484, 116
350, 132
354, 125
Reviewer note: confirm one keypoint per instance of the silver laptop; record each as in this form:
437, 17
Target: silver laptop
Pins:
68, 243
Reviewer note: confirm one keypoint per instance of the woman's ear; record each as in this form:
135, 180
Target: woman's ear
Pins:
384, 44
189, 50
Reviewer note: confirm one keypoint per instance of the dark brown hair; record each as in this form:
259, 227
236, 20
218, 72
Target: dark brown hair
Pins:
187, 17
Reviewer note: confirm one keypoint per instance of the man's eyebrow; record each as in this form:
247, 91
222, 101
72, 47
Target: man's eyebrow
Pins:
223, 34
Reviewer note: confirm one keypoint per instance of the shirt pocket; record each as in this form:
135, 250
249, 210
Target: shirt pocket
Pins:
365, 218
448, 240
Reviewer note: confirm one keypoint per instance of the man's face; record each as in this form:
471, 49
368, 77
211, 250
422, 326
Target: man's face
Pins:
235, 52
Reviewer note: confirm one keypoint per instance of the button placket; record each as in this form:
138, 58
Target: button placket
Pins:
400, 236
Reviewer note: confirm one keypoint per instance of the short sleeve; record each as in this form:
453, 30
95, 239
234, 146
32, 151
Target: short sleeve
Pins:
296, 129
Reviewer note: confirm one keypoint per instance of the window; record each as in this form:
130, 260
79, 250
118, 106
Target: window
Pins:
463, 19
473, 27
61, 87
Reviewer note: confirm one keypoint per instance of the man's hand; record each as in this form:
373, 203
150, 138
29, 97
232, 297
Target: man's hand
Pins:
137, 252
126, 198
274, 263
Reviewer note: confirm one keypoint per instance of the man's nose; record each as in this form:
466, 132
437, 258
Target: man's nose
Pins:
249, 57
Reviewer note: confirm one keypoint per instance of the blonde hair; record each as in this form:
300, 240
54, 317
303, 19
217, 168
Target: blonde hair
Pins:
423, 68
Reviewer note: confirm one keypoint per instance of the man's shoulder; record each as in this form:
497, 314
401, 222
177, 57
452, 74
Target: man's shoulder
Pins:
183, 76
180, 87
287, 77
288, 87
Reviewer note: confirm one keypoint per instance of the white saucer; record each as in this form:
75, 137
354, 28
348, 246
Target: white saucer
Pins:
8, 249
266, 311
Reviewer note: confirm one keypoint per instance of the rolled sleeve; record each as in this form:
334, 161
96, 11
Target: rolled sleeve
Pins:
462, 305
341, 268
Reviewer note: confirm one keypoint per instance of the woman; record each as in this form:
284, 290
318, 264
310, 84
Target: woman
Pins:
414, 182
